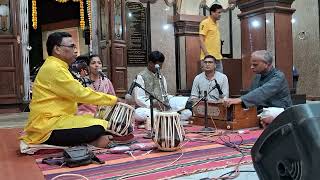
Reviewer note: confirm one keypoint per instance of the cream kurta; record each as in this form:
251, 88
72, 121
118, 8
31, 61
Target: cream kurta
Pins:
54, 102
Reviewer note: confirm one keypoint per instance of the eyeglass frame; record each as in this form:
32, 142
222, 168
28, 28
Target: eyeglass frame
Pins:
70, 46
208, 62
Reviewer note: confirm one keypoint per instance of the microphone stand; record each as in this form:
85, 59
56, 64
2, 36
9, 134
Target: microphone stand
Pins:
206, 127
151, 98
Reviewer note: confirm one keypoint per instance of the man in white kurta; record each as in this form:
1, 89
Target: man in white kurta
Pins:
149, 80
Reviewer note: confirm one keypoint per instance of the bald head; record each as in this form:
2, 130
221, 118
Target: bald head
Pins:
263, 55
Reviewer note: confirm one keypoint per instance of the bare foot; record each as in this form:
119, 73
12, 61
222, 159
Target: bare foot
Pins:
102, 142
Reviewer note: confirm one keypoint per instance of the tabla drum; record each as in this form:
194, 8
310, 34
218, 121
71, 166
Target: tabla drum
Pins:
119, 117
169, 134
103, 112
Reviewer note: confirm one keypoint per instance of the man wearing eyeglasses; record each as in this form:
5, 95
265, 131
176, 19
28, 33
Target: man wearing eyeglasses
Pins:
210, 79
56, 93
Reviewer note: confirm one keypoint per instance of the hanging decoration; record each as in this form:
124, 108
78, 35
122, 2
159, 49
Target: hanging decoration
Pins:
34, 14
89, 17
82, 23
64, 1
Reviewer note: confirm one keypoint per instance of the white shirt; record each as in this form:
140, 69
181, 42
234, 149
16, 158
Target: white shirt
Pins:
201, 83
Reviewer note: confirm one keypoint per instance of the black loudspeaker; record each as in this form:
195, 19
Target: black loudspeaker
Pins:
289, 148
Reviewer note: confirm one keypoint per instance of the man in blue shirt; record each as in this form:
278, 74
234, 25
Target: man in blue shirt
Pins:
269, 90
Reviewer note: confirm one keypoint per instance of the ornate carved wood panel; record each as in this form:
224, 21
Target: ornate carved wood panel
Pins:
11, 87
103, 35
118, 46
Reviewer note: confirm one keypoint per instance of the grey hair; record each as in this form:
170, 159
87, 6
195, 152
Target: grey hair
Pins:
264, 55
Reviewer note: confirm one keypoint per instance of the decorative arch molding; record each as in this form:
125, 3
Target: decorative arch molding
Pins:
192, 7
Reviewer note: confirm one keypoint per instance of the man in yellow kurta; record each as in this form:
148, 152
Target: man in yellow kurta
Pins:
55, 95
209, 34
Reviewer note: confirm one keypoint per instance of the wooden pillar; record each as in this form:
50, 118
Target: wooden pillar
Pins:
266, 24
187, 50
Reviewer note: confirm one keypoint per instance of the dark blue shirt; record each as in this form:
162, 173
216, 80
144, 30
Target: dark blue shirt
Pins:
268, 90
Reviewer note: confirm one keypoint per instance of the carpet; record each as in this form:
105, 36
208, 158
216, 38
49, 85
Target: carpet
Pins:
13, 165
200, 153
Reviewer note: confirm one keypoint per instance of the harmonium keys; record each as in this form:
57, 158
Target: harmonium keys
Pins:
232, 118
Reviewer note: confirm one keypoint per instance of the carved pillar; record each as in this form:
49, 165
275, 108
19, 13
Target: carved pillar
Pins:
187, 49
266, 24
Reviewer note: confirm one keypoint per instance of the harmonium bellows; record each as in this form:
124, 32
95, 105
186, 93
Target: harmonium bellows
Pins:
232, 118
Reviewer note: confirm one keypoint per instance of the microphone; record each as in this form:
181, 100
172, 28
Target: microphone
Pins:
157, 66
101, 73
128, 96
218, 87
133, 85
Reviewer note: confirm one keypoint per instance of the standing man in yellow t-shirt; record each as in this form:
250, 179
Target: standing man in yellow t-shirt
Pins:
210, 36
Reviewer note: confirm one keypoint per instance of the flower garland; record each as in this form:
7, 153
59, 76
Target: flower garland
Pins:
64, 1
34, 14
82, 23
89, 17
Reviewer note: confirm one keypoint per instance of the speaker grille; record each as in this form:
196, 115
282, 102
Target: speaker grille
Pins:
290, 169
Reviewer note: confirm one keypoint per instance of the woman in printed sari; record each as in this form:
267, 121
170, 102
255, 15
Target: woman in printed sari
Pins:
100, 83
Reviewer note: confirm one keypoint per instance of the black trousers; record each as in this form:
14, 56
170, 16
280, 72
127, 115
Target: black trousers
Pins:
75, 136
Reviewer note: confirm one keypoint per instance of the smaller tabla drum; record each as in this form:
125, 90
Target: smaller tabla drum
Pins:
168, 132
119, 117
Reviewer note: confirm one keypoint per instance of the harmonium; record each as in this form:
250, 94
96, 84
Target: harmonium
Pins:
231, 118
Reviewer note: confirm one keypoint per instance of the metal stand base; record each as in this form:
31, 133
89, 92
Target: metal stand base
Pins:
208, 129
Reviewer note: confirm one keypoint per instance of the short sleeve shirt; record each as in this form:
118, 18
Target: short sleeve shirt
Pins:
210, 30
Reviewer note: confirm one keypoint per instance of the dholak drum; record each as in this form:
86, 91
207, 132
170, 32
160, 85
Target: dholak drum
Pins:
169, 133
120, 118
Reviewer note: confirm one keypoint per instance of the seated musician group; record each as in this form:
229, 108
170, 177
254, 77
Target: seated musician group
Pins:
62, 110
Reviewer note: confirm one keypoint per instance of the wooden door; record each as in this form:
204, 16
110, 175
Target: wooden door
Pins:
11, 72
103, 35
112, 37
118, 46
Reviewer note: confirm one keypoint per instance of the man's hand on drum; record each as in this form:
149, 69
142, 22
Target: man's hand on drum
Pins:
229, 101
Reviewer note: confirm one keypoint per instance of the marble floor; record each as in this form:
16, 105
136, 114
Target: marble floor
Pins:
13, 120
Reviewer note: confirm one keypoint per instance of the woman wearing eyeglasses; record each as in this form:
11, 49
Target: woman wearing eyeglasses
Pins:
99, 83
